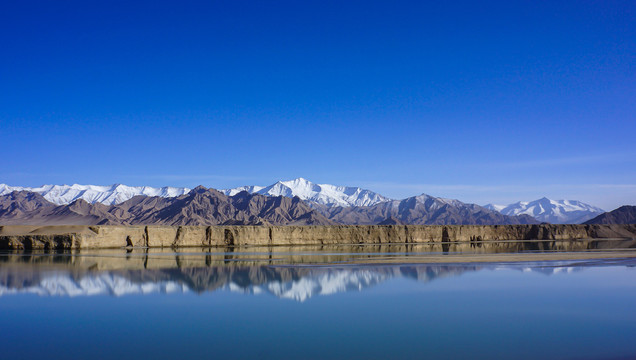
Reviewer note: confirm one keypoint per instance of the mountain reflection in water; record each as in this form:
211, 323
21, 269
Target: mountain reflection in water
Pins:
286, 272
117, 273
308, 303
289, 282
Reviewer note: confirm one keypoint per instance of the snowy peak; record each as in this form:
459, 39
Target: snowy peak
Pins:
108, 195
324, 194
552, 211
249, 189
495, 207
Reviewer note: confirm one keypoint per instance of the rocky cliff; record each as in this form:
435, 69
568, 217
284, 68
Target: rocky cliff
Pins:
442, 236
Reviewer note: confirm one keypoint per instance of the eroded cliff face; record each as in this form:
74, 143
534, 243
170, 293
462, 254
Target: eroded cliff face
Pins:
442, 236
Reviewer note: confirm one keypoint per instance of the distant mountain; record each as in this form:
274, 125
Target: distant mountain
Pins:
108, 195
422, 210
297, 201
623, 215
551, 211
200, 206
321, 194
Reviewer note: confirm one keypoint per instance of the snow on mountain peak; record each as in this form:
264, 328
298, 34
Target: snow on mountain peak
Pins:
324, 194
495, 207
108, 194
552, 211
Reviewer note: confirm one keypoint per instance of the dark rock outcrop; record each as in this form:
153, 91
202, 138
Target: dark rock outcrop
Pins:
391, 221
623, 215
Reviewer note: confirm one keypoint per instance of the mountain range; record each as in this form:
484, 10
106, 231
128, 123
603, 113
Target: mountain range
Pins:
200, 206
297, 201
551, 211
319, 194
108, 195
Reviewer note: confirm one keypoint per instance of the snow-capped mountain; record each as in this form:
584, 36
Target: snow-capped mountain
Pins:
495, 207
423, 210
108, 195
551, 211
250, 189
324, 194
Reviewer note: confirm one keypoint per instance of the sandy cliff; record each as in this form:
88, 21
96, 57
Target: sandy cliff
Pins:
87, 237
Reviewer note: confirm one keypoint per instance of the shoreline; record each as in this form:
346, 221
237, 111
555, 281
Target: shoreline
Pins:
439, 237
284, 257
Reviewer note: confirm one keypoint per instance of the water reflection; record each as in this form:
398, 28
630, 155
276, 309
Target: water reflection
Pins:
144, 258
288, 282
69, 275
297, 273
335, 303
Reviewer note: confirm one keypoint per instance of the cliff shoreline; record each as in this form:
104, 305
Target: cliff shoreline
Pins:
95, 237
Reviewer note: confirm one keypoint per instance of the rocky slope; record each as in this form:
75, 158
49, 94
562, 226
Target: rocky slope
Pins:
422, 210
550, 211
200, 206
342, 204
203, 206
623, 215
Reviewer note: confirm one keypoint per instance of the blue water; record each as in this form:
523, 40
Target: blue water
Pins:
565, 310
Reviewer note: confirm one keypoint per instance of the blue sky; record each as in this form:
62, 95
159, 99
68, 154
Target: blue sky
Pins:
481, 101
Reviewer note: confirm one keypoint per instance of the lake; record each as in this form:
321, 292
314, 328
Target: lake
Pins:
309, 303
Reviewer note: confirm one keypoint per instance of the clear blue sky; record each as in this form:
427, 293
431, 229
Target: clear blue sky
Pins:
484, 101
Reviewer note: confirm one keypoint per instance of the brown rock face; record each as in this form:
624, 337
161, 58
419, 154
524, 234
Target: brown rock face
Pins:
200, 206
623, 215
423, 210
445, 237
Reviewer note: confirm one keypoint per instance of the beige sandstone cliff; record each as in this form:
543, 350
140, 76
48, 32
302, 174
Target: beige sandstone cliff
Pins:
443, 236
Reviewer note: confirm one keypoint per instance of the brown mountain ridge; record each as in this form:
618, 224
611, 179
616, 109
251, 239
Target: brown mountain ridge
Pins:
203, 206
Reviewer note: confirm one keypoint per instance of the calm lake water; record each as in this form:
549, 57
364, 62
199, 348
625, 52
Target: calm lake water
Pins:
310, 304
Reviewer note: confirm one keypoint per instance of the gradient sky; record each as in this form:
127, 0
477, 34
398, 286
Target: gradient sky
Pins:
483, 101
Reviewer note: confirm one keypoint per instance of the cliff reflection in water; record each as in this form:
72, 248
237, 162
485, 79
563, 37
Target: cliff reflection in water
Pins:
292, 273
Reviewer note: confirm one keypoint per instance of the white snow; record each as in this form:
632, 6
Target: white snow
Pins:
495, 207
325, 194
552, 211
108, 195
